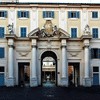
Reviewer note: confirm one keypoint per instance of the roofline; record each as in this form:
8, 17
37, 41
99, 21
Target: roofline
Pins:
49, 5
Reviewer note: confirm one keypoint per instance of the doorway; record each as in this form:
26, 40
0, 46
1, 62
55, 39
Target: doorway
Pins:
95, 75
24, 74
74, 74
48, 69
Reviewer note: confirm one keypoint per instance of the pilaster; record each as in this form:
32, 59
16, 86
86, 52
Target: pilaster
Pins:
63, 19
34, 19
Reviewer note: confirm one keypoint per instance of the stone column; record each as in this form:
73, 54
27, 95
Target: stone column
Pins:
87, 79
86, 60
33, 81
10, 63
64, 79
64, 62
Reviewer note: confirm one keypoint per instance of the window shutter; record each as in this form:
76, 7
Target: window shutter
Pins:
92, 14
1, 52
52, 14
44, 13
5, 14
23, 32
75, 32
69, 14
2, 32
96, 14
27, 14
96, 33
19, 14
78, 14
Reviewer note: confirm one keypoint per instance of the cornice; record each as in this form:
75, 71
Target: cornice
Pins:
51, 5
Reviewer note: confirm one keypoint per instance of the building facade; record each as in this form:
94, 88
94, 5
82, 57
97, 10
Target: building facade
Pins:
65, 35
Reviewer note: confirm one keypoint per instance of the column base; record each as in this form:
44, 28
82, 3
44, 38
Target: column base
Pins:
10, 82
33, 82
87, 82
64, 82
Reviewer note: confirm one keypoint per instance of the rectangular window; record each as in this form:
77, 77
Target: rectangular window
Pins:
23, 31
73, 32
3, 14
23, 14
73, 14
1, 69
94, 14
48, 14
95, 32
95, 69
2, 32
2, 53
95, 53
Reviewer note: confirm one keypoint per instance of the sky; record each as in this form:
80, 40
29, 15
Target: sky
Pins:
63, 1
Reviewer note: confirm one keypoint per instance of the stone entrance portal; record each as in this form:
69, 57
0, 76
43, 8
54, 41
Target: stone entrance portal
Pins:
49, 46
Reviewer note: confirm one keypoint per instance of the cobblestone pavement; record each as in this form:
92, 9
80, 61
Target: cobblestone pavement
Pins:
49, 93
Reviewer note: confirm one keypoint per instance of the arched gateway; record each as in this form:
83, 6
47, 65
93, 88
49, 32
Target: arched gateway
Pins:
48, 68
49, 58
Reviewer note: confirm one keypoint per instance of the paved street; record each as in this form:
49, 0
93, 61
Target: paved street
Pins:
49, 93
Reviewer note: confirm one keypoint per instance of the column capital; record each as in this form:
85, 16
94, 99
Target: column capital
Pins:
11, 42
63, 43
86, 43
34, 42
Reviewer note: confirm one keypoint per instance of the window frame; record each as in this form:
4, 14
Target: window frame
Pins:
74, 14
3, 69
94, 34
3, 53
4, 32
23, 14
96, 54
20, 31
48, 14
5, 13
94, 14
71, 32
95, 67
